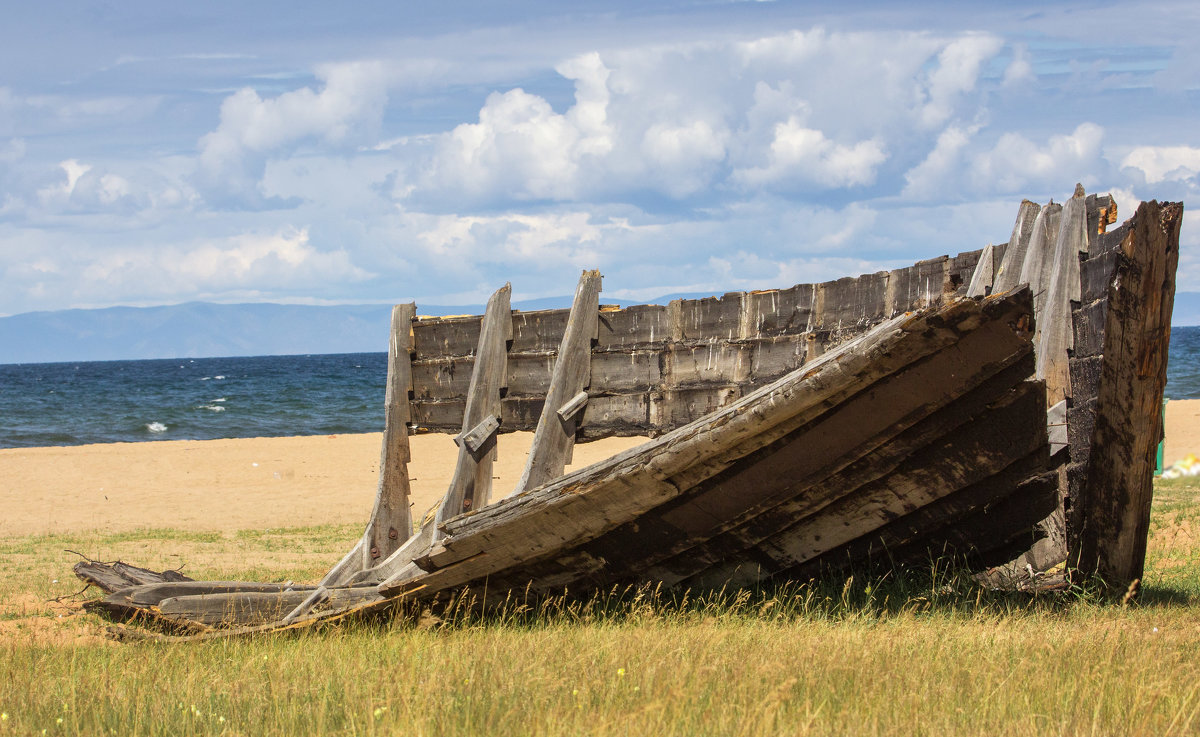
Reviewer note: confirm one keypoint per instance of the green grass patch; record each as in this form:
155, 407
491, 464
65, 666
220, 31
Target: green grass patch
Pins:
928, 652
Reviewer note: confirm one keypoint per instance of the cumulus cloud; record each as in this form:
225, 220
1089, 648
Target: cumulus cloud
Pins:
1016, 162
1164, 163
803, 155
957, 73
351, 101
960, 165
281, 260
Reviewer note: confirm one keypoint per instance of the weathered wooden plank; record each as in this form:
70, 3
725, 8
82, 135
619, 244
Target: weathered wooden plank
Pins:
554, 438
472, 480
713, 364
622, 371
967, 523
441, 337
852, 302
684, 405
777, 312
710, 318
633, 326
982, 448
864, 440
529, 373
774, 357
1039, 257
1009, 272
446, 377
475, 438
249, 608
1114, 508
110, 577
1088, 327
985, 273
1055, 334
538, 332
390, 523
573, 406
618, 414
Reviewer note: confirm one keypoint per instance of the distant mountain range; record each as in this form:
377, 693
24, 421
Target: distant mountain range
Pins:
201, 329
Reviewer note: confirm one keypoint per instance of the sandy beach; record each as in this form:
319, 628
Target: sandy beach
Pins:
256, 483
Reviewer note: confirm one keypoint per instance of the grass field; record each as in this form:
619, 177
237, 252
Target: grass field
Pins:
930, 653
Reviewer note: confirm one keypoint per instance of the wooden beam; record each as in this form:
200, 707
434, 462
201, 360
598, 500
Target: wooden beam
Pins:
472, 482
1054, 335
1114, 505
390, 524
475, 438
573, 406
554, 438
985, 273
1009, 272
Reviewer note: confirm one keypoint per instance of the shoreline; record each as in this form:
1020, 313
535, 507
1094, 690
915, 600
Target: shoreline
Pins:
292, 481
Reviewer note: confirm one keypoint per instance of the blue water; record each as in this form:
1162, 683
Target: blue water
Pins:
265, 396
194, 399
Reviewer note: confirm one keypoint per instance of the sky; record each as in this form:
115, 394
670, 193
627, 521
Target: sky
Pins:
326, 153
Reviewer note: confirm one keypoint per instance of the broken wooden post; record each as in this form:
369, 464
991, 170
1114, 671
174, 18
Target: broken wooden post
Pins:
472, 481
1039, 258
1052, 313
391, 521
554, 439
1009, 272
985, 273
1113, 515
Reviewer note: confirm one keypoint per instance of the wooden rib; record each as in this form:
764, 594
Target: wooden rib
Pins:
555, 436
390, 524
985, 273
1055, 333
1114, 504
1039, 258
1008, 273
472, 481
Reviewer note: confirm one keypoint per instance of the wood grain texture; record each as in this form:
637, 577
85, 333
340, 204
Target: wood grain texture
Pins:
555, 435
1008, 273
390, 524
1114, 506
471, 484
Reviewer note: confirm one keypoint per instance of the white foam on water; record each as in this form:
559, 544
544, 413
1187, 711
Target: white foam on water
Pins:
212, 407
203, 378
218, 377
219, 399
156, 427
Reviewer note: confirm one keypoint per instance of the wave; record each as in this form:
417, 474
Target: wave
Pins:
155, 427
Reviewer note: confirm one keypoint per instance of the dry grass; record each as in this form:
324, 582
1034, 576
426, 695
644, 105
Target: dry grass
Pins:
926, 654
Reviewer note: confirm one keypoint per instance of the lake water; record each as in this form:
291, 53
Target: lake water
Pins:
264, 396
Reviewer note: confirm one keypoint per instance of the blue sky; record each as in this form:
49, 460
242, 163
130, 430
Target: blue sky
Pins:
156, 153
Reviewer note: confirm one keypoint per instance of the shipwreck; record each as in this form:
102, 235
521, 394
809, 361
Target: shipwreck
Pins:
1002, 405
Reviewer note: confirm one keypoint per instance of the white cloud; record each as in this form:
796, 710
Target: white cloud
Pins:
62, 191
522, 147
1164, 163
1016, 162
802, 155
351, 101
959, 64
1020, 69
928, 179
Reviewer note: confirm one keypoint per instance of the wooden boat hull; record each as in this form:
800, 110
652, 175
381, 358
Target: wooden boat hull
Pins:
964, 426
